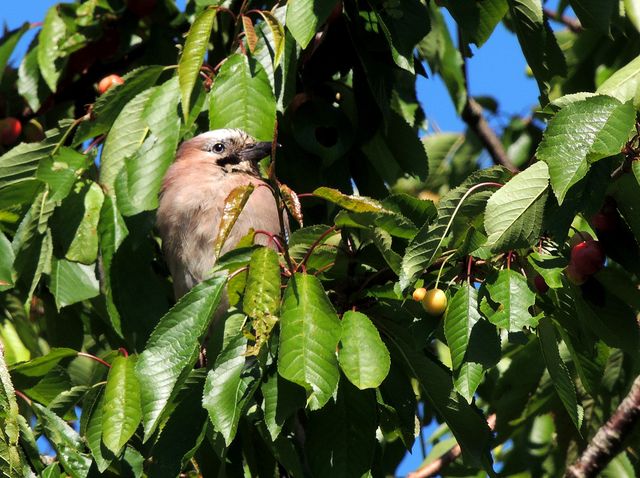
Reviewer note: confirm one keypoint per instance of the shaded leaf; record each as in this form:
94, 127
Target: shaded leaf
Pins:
51, 59
173, 348
363, 356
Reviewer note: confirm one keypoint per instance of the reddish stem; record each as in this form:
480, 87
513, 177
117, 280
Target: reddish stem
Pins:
238, 271
316, 243
93, 357
469, 263
306, 195
509, 260
96, 141
22, 396
124, 352
322, 269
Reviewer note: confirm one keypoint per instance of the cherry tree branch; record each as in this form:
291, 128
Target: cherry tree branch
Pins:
436, 466
572, 24
607, 442
474, 117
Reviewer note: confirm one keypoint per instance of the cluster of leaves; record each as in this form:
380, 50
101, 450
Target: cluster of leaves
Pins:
322, 366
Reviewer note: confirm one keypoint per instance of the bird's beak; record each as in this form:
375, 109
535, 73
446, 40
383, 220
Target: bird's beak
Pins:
256, 151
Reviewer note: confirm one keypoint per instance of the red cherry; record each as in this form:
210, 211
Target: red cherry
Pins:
109, 81
574, 276
588, 257
541, 284
10, 129
141, 8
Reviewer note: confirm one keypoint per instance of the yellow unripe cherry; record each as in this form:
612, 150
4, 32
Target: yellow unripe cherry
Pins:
435, 302
419, 294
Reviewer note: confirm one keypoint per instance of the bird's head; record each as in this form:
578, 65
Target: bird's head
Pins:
232, 150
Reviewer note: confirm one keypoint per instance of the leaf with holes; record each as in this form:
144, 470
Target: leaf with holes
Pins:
233, 206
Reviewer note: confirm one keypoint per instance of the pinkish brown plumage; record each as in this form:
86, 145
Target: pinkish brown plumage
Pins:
207, 168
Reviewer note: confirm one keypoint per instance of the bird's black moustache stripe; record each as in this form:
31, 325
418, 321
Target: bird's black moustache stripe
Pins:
227, 160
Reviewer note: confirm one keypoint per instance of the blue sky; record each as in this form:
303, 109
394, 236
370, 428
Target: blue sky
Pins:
497, 69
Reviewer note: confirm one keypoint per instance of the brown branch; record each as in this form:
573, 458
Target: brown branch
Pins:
436, 466
473, 116
572, 24
607, 442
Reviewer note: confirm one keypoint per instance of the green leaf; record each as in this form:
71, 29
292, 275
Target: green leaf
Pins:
241, 97
65, 440
121, 413
125, 137
277, 35
22, 161
146, 168
195, 48
84, 246
538, 43
632, 12
595, 127
363, 356
72, 282
445, 60
184, 431
455, 205
30, 84
173, 348
109, 106
40, 366
350, 203
624, 84
596, 14
7, 45
9, 415
340, 438
403, 25
6, 263
50, 57
309, 335
111, 231
477, 19
462, 315
549, 267
464, 420
281, 400
511, 291
262, 292
101, 454
230, 386
559, 373
304, 18
513, 217
61, 171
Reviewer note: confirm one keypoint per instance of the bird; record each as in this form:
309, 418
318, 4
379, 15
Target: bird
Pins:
192, 197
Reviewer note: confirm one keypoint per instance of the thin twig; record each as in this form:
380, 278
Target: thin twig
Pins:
94, 358
607, 442
436, 466
572, 24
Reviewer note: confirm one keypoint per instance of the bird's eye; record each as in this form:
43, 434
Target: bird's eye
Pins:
218, 148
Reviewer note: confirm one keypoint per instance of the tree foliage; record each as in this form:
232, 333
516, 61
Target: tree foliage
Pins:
323, 365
